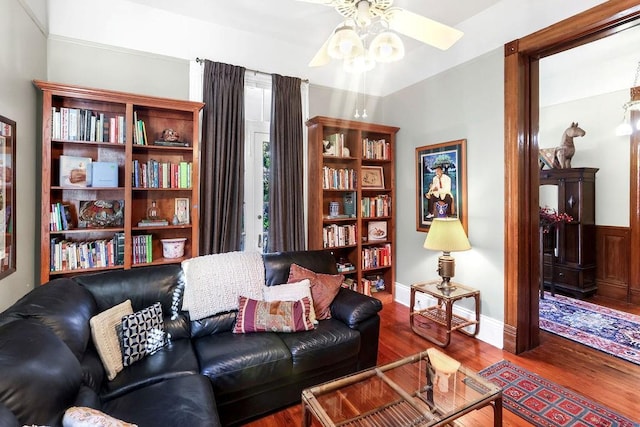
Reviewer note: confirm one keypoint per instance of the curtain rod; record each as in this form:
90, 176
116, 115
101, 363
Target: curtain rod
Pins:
201, 61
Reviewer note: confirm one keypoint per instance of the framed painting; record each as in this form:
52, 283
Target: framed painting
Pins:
441, 183
372, 177
7, 196
182, 210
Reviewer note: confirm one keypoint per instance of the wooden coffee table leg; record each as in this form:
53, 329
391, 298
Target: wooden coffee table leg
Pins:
497, 412
306, 416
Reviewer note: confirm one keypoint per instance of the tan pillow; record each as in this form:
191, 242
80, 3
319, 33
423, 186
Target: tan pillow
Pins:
291, 292
324, 288
105, 337
80, 416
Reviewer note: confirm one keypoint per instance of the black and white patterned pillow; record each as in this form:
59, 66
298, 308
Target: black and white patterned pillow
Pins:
142, 334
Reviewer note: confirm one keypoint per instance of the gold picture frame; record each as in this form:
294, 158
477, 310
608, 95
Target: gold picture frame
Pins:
372, 178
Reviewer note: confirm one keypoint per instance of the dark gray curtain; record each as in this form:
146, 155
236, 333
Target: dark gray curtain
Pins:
286, 206
222, 159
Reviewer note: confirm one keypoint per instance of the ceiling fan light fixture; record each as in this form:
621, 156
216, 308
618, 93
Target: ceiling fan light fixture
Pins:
387, 47
345, 43
359, 64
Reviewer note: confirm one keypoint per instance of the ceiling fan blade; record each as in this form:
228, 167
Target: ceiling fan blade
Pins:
423, 29
321, 57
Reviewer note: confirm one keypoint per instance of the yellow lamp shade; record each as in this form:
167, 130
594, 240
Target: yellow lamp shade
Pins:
447, 235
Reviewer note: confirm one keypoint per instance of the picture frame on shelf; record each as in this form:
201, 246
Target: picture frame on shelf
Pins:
441, 183
372, 178
182, 210
377, 230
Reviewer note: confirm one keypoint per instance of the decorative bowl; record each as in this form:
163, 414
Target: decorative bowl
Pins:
173, 248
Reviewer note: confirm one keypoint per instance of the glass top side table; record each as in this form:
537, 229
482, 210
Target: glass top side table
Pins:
442, 312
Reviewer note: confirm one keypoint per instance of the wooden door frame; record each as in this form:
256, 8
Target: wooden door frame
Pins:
521, 101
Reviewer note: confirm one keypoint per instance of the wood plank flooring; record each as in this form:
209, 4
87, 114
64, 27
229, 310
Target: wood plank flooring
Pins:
596, 375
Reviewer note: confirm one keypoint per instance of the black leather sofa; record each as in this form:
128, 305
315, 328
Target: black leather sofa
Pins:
205, 376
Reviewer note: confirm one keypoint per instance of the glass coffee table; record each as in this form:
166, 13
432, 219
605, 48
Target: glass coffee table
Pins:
426, 389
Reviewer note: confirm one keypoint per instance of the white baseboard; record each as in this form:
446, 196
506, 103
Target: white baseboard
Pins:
490, 329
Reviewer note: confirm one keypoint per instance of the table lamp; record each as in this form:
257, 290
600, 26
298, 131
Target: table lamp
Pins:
446, 235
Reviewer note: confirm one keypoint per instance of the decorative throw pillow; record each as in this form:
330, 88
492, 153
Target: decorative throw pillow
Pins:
142, 334
275, 316
80, 416
291, 292
324, 288
105, 337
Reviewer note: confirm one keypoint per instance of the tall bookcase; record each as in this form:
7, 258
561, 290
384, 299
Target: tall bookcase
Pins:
351, 198
80, 234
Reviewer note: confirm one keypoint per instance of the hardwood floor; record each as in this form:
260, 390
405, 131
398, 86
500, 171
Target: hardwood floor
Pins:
595, 375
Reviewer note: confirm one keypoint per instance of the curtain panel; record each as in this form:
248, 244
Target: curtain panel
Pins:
222, 158
286, 204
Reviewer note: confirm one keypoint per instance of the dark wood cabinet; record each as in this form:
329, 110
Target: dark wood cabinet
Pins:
573, 267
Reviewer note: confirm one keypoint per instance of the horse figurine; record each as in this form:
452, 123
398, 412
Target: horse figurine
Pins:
560, 157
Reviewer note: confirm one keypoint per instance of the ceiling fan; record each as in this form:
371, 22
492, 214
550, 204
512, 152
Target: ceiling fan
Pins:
368, 34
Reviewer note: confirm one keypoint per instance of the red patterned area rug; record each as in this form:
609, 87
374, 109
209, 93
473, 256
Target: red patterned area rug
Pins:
546, 404
612, 331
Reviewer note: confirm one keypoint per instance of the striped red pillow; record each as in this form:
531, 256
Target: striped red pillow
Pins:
274, 316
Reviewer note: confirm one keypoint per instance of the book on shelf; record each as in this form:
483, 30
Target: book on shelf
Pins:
142, 248
152, 222
339, 235
79, 124
155, 174
377, 206
375, 149
102, 174
377, 256
76, 255
171, 143
73, 171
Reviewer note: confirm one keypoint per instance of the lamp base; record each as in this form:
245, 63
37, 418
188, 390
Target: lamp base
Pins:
445, 286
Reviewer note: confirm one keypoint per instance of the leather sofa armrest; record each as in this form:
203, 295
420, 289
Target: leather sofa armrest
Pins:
353, 308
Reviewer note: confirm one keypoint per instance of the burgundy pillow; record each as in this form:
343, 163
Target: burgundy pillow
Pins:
274, 316
324, 288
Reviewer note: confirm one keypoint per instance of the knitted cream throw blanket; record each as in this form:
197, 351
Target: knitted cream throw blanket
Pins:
213, 283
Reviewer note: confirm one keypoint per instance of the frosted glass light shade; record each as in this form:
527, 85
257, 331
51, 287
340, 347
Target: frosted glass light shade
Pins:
447, 235
345, 43
359, 64
387, 47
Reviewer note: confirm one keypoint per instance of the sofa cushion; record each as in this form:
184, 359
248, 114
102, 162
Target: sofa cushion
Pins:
142, 334
62, 305
291, 292
242, 362
183, 401
331, 343
324, 288
273, 316
277, 264
105, 337
175, 359
144, 286
40, 375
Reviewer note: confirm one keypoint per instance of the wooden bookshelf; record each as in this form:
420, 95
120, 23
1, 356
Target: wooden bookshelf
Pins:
341, 154
86, 135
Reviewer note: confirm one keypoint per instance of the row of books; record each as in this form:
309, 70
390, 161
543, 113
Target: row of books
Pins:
338, 179
139, 131
79, 124
375, 149
335, 235
142, 249
377, 206
60, 218
69, 255
375, 257
155, 174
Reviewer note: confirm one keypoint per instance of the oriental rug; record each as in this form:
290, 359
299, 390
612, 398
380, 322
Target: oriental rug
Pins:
546, 404
602, 328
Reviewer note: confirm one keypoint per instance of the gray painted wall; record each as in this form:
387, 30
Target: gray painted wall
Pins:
466, 102
99, 66
23, 59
